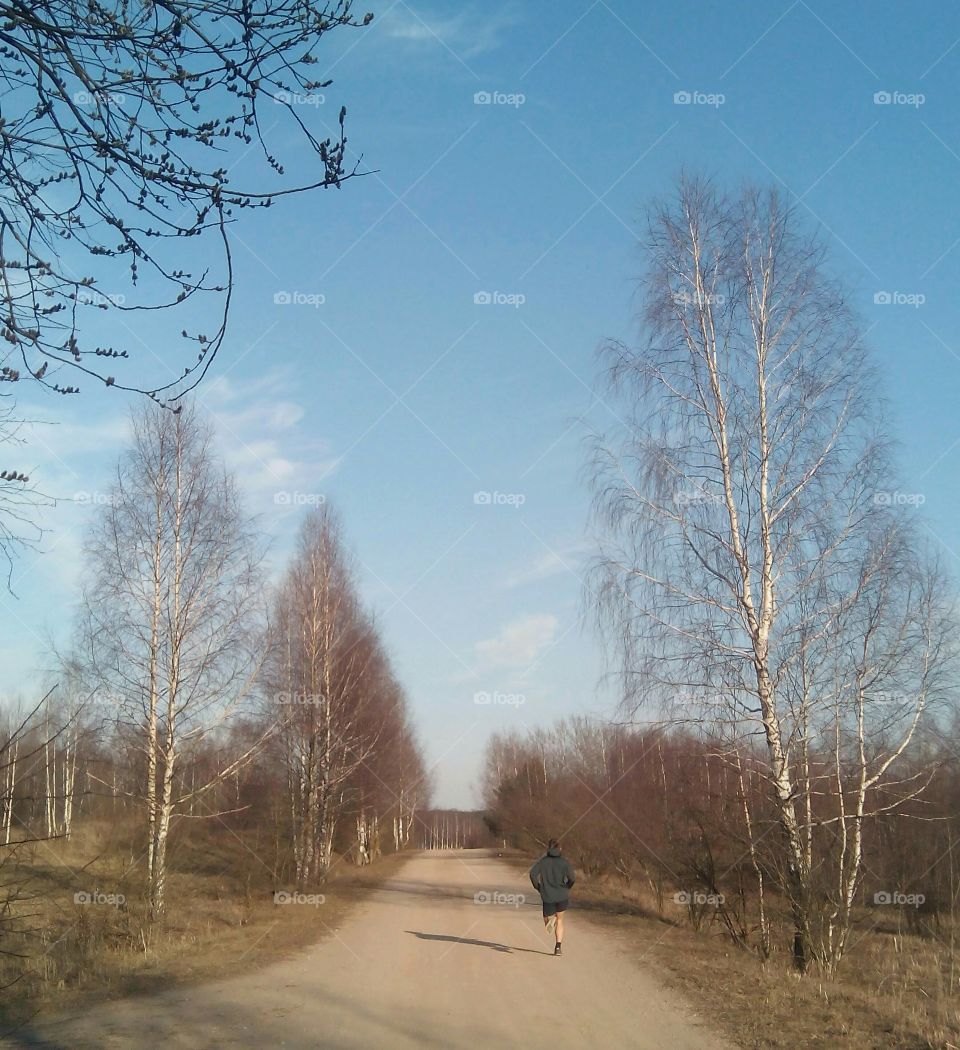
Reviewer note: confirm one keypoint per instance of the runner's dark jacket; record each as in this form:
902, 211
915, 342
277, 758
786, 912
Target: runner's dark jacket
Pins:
552, 876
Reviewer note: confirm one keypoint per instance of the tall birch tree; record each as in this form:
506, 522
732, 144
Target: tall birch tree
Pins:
171, 611
737, 496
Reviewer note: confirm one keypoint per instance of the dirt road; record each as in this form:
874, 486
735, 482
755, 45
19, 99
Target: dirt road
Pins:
444, 955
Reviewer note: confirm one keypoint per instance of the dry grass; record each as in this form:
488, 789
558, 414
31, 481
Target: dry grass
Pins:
221, 908
894, 990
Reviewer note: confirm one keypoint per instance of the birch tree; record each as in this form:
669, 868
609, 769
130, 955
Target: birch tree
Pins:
171, 612
63, 731
871, 687
411, 787
741, 483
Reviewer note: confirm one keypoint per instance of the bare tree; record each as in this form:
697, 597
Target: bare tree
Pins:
868, 683
23, 741
115, 146
171, 611
326, 666
410, 785
741, 489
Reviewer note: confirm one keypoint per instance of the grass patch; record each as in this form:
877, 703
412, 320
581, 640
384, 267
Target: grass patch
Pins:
894, 990
220, 907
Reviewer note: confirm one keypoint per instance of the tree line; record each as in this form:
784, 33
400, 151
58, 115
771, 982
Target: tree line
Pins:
690, 821
193, 689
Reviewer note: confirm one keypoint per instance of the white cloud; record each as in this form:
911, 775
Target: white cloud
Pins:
564, 558
63, 455
519, 642
261, 440
259, 435
468, 33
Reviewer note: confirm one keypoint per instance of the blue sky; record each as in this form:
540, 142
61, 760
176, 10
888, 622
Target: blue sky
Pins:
514, 148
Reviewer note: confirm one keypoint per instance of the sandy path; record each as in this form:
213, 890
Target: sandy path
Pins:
418, 964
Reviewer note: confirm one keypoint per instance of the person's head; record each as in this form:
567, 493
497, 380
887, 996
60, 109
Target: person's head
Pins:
553, 844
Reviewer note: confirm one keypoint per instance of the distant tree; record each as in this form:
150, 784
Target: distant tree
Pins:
24, 740
326, 671
115, 148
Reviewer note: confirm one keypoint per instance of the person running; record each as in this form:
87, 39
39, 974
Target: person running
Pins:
552, 877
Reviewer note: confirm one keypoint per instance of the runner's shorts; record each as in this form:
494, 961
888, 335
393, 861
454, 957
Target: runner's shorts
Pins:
553, 909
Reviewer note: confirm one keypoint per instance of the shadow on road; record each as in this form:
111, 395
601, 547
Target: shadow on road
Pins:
470, 940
